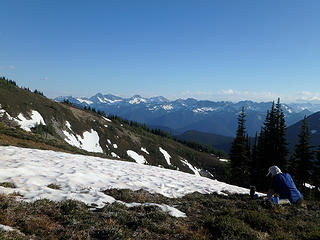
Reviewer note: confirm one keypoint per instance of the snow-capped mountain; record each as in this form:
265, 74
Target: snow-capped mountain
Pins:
190, 114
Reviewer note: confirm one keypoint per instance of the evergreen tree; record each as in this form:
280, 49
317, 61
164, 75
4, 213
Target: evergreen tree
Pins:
282, 146
240, 154
253, 161
271, 147
302, 160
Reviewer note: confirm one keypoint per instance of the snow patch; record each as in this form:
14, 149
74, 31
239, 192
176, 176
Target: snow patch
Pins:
101, 100
112, 101
89, 141
84, 177
166, 155
115, 146
166, 208
137, 157
307, 185
167, 107
204, 109
137, 101
313, 131
68, 125
84, 101
114, 155
107, 119
27, 124
194, 169
144, 150
6, 228
223, 160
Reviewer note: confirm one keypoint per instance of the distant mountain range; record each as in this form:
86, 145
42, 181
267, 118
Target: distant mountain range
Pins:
313, 122
183, 115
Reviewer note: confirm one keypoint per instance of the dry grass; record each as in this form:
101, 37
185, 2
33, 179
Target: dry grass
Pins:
209, 217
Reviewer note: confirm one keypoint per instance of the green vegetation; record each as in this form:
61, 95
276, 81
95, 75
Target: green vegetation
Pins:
240, 154
4, 82
249, 164
208, 217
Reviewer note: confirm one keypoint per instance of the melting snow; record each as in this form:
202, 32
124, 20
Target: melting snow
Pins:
114, 155
68, 125
107, 119
194, 169
27, 124
3, 112
223, 160
144, 150
166, 155
138, 158
307, 185
89, 141
6, 228
84, 177
170, 210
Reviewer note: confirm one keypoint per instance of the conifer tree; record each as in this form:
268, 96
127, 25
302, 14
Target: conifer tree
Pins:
282, 146
271, 147
302, 160
253, 160
240, 154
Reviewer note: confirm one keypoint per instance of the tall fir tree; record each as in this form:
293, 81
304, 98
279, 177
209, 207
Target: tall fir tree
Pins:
301, 164
271, 147
282, 146
253, 161
240, 154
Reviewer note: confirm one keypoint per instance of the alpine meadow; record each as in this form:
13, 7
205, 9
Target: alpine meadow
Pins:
162, 120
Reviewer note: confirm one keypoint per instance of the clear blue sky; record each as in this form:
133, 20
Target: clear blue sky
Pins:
217, 49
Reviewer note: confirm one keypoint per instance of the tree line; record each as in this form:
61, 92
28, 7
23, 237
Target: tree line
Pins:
251, 159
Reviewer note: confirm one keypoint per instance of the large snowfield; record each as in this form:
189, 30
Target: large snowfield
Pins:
84, 178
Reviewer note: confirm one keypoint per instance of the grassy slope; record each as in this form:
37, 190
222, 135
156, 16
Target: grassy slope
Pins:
208, 217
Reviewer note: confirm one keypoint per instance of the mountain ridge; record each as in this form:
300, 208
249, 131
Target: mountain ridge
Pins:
191, 114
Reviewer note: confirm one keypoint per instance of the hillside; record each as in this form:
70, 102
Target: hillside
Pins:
32, 120
313, 122
216, 141
68, 196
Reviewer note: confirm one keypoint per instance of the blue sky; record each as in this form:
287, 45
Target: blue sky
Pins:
218, 50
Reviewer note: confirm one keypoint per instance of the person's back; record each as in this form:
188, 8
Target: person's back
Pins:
283, 184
